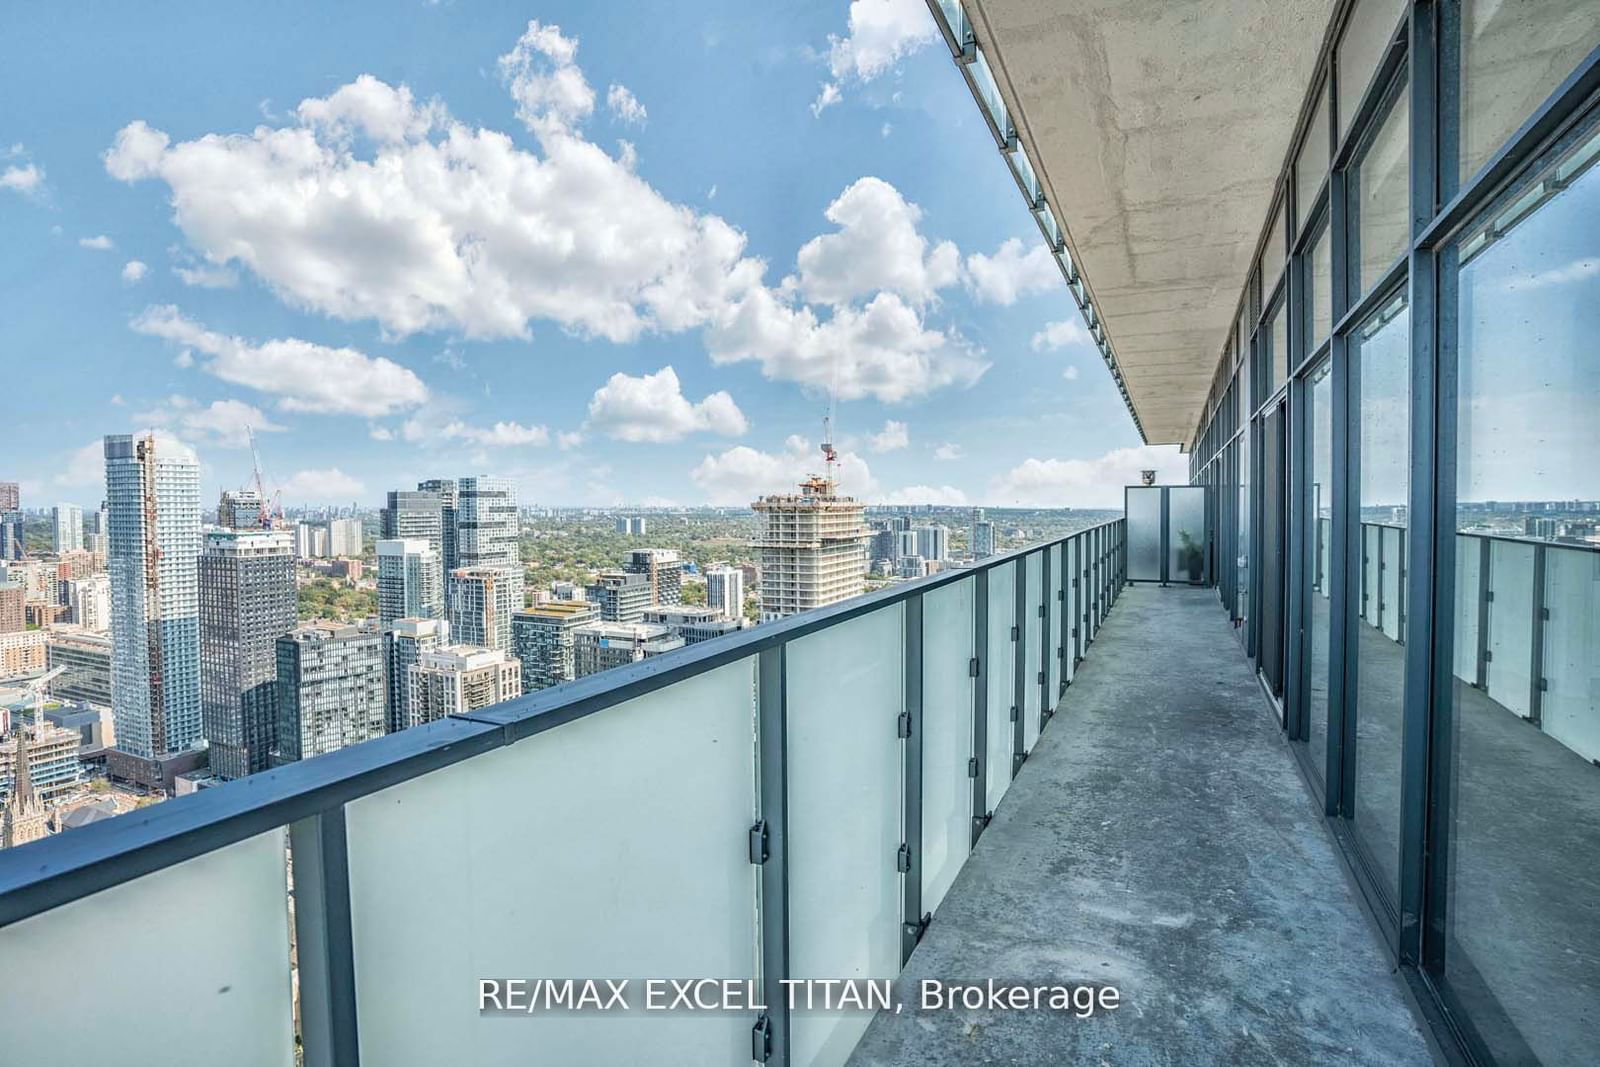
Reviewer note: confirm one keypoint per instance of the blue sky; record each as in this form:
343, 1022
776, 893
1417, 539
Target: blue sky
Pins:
414, 240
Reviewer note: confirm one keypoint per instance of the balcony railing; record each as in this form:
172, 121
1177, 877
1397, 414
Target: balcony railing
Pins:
735, 810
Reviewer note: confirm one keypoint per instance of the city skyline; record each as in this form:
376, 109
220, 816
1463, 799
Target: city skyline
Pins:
808, 252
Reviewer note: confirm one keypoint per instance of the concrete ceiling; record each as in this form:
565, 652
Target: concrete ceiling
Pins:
1159, 129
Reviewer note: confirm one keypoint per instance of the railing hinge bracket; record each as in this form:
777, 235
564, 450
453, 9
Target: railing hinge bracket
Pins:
1013, 713
903, 725
902, 859
972, 667
972, 767
758, 842
761, 1039
1015, 634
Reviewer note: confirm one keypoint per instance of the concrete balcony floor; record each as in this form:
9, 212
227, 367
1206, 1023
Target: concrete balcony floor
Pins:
1159, 839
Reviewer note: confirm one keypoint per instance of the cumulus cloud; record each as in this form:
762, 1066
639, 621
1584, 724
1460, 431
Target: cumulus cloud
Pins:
501, 435
24, 178
877, 247
1576, 271
320, 486
880, 34
543, 75
827, 96
1061, 334
207, 276
84, 468
893, 436
1096, 482
1011, 273
98, 243
133, 271
303, 375
222, 422
949, 450
941, 495
622, 104
1070, 374
652, 407
741, 474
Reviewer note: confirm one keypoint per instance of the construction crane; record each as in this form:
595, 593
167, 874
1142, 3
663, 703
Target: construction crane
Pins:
267, 506
36, 687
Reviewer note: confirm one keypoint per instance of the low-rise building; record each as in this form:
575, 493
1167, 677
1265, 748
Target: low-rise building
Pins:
461, 678
542, 641
86, 657
693, 624
21, 652
599, 646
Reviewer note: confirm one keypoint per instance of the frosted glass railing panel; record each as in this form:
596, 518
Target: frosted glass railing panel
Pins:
954, 16
1144, 534
1074, 609
947, 648
1468, 595
1324, 557
1570, 705
1393, 570
86, 983
611, 846
1000, 669
1371, 600
1186, 534
1510, 624
1030, 182
988, 91
1033, 643
845, 692
1057, 605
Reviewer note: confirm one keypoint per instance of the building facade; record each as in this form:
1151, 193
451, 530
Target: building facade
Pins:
664, 570
66, 522
481, 602
153, 508
405, 642
542, 641
486, 529
240, 509
459, 679
88, 601
813, 549
21, 652
408, 580
248, 599
330, 689
86, 659
13, 614
620, 596
449, 495
725, 591
693, 624
599, 646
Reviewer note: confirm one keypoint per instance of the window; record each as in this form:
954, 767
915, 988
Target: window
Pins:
1272, 255
1380, 196
1311, 166
1278, 331
1513, 56
1318, 537
1319, 271
1524, 843
1372, 23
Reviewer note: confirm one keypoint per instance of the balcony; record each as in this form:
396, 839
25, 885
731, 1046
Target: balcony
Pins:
735, 810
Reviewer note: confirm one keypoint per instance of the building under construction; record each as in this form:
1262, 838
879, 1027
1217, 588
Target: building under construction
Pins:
813, 548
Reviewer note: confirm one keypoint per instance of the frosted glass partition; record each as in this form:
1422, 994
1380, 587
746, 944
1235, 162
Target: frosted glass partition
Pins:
1570, 704
85, 982
1468, 596
1073, 614
1033, 659
947, 686
1186, 533
845, 692
612, 846
1392, 571
1144, 533
1057, 604
1324, 563
1371, 601
1510, 624
1000, 670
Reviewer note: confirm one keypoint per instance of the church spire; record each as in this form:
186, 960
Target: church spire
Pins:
24, 818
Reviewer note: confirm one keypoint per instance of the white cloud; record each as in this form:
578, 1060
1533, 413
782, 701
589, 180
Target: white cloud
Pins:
894, 435
827, 96
380, 433
652, 407
882, 350
84, 468
303, 375
542, 73
501, 435
1061, 334
133, 271
625, 106
741, 474
1096, 482
207, 276
222, 422
1576, 271
23, 178
881, 33
568, 439
99, 243
1011, 273
1070, 374
877, 247
949, 450
942, 495
328, 485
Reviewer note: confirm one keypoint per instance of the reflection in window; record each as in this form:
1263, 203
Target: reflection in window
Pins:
1372, 23
1513, 56
1311, 166
1321, 287
1380, 195
1318, 534
1523, 912
1381, 394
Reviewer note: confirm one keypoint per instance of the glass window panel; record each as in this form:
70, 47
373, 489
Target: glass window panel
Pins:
1525, 806
1144, 534
1570, 704
946, 736
1469, 566
1000, 670
1381, 195
1273, 253
83, 983
1321, 287
1279, 334
1372, 23
1382, 389
1311, 166
1513, 56
845, 690
1319, 395
1391, 587
1186, 534
1241, 544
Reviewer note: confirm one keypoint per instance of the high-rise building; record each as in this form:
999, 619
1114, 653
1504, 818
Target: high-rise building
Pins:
405, 642
346, 539
240, 509
982, 539
599, 646
486, 523
908, 544
462, 678
11, 543
13, 597
449, 499
812, 548
725, 591
481, 602
413, 515
693, 624
67, 522
98, 538
408, 581
153, 504
633, 525
86, 659
247, 601
21, 653
664, 570
884, 544
88, 601
541, 639
23, 818
933, 541
10, 496
330, 689
621, 596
